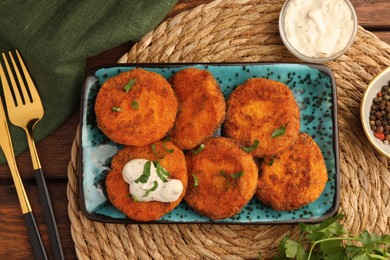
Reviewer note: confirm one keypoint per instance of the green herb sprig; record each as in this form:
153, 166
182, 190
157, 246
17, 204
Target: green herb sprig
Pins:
196, 180
162, 173
199, 149
129, 85
330, 240
145, 174
165, 145
155, 185
252, 147
279, 131
233, 176
158, 156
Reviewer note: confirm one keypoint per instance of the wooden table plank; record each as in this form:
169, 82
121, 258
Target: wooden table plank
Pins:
14, 240
373, 15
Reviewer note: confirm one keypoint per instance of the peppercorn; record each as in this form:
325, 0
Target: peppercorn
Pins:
380, 114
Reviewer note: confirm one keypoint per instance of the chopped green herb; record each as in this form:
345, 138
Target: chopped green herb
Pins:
279, 131
156, 153
165, 145
116, 109
252, 147
330, 240
224, 174
145, 174
135, 105
237, 175
134, 198
270, 163
199, 149
155, 185
129, 85
196, 181
162, 173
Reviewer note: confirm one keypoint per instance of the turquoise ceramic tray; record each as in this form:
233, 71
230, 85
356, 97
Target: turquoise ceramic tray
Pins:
314, 89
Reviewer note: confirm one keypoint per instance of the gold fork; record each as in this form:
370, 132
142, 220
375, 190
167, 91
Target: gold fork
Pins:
25, 110
6, 146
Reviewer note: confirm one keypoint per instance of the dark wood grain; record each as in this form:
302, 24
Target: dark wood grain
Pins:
14, 239
55, 150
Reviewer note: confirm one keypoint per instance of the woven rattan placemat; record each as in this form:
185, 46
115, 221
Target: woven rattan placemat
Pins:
226, 30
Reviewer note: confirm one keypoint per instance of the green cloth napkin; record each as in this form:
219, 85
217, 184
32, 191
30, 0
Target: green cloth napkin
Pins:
55, 38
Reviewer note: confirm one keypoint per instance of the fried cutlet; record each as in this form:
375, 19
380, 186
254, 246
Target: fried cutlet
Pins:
221, 178
118, 190
136, 107
296, 177
201, 107
265, 112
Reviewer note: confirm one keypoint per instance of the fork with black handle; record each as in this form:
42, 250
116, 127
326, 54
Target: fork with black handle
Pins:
6, 146
25, 109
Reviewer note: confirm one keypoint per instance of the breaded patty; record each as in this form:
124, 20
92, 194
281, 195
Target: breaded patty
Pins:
136, 107
225, 178
259, 109
296, 178
118, 190
201, 107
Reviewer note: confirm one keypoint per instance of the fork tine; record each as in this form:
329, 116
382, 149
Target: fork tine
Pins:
6, 88
30, 83
20, 79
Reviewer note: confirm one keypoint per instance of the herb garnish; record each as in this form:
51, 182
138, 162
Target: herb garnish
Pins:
134, 198
129, 85
156, 153
234, 176
155, 185
199, 149
325, 241
237, 175
116, 109
252, 147
165, 145
162, 173
145, 174
196, 181
279, 131
135, 105
270, 162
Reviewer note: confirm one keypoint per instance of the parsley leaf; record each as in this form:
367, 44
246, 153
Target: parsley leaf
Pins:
329, 240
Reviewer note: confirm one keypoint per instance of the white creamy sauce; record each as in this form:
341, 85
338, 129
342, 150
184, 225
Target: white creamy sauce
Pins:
154, 189
319, 28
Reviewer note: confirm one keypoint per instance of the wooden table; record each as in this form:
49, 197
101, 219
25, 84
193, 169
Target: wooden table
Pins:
54, 151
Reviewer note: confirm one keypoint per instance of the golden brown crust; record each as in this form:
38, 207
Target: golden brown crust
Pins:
202, 107
296, 178
157, 108
217, 196
118, 189
256, 109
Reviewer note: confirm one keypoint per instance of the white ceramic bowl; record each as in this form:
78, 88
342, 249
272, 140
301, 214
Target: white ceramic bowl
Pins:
298, 54
370, 93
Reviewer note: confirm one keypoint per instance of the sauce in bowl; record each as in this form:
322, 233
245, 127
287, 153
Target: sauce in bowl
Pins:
318, 31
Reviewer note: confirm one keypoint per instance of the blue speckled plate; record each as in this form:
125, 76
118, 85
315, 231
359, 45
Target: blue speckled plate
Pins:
314, 89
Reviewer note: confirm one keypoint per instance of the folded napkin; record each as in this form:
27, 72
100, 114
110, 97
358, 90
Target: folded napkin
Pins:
56, 37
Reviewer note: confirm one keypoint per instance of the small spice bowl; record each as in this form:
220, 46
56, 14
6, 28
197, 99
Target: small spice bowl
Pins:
317, 31
375, 86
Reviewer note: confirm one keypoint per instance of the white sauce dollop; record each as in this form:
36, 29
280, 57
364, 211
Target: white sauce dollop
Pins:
319, 28
164, 192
